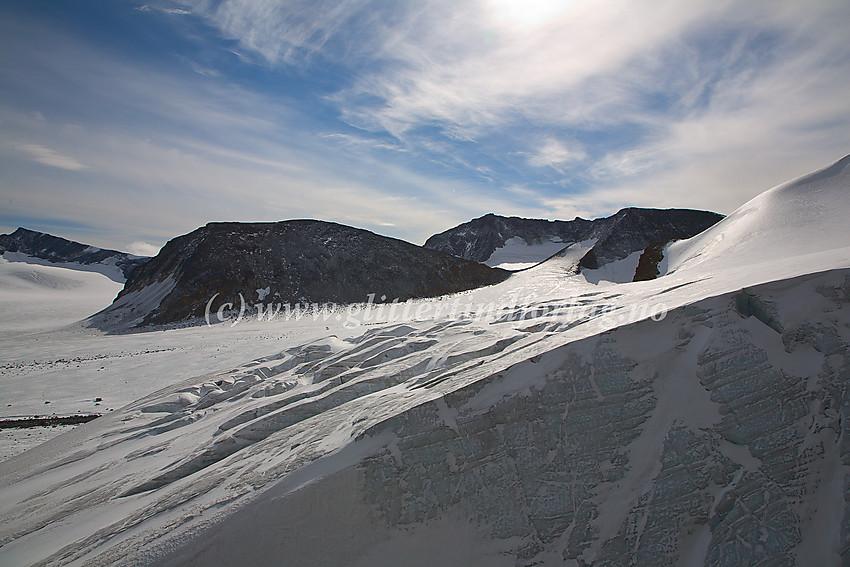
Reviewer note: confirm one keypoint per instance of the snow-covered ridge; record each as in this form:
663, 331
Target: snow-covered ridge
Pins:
35, 247
805, 216
518, 242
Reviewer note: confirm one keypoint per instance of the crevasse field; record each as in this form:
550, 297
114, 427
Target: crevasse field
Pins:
552, 419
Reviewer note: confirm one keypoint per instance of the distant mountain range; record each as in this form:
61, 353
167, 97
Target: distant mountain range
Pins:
56, 250
308, 261
289, 262
629, 230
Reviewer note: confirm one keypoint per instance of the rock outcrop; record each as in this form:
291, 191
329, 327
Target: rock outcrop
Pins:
289, 262
630, 230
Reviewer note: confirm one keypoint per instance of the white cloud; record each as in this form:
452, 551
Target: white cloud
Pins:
140, 248
170, 11
467, 70
46, 156
705, 85
278, 31
554, 153
644, 103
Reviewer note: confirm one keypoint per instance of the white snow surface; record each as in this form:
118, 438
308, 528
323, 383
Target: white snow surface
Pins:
804, 218
517, 254
545, 420
618, 271
35, 296
107, 268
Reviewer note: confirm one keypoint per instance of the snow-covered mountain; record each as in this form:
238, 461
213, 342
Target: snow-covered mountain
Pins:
802, 219
288, 262
516, 243
35, 247
698, 418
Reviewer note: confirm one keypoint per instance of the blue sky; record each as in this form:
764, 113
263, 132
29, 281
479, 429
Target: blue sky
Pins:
124, 124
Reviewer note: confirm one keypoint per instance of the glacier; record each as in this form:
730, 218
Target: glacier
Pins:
695, 419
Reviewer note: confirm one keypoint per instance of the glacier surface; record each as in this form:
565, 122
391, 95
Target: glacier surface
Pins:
695, 419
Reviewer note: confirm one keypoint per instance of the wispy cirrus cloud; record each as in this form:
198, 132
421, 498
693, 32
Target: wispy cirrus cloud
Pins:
46, 156
635, 85
554, 153
411, 117
290, 32
164, 10
167, 152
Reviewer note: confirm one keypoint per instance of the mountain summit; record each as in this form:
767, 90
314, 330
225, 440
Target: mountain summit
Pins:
516, 242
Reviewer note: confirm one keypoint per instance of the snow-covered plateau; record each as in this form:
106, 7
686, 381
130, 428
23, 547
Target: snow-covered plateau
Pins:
695, 419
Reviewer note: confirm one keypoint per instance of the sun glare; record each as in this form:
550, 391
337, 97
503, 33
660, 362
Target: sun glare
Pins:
527, 13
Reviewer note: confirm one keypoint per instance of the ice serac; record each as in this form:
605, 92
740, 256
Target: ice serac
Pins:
67, 253
706, 439
290, 262
488, 238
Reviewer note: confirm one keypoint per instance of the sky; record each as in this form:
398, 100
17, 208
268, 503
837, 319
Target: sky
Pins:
124, 124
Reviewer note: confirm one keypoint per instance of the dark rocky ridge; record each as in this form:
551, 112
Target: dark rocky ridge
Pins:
58, 250
300, 262
629, 230
477, 239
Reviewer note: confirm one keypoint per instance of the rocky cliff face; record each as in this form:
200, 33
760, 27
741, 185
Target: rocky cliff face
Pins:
630, 230
59, 250
290, 262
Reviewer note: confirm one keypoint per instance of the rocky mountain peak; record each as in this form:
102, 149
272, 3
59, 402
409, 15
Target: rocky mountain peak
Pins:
297, 261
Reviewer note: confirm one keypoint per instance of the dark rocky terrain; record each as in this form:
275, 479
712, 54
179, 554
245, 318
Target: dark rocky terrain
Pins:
60, 250
292, 262
477, 239
629, 230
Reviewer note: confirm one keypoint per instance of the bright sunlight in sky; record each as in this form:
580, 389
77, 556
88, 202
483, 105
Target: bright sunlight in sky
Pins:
528, 14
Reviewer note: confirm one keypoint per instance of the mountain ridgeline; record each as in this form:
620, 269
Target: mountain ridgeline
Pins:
117, 265
309, 261
630, 230
289, 262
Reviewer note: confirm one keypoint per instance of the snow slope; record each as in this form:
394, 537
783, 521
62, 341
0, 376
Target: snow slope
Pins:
516, 254
38, 297
108, 267
692, 419
35, 247
805, 219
